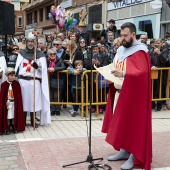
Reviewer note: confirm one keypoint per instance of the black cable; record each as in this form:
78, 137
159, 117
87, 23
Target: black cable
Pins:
100, 166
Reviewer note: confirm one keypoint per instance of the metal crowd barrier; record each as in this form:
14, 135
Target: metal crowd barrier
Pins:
99, 95
161, 78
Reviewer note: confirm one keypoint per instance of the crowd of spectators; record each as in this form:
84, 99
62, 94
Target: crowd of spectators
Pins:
160, 58
70, 51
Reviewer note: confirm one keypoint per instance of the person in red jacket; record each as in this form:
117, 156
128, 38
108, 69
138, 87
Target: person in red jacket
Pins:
127, 120
11, 109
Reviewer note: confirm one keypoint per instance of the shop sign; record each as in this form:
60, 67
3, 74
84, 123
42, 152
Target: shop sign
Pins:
97, 27
124, 3
157, 4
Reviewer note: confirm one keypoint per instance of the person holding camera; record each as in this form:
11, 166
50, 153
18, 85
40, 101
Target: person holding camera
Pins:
159, 58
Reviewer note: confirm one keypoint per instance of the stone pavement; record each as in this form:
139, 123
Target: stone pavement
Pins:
65, 141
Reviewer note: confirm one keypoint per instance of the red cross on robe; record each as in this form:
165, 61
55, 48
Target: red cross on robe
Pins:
28, 65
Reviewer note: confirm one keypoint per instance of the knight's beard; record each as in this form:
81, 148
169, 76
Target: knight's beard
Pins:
30, 47
127, 44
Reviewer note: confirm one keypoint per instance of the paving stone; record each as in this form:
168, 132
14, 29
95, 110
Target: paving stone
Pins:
65, 142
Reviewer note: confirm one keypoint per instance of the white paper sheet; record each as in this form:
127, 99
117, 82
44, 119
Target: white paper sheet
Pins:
105, 71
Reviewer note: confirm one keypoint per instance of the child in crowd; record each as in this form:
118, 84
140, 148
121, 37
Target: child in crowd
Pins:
11, 109
76, 83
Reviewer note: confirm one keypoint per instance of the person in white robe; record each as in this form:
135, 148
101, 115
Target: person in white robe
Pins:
25, 66
3, 67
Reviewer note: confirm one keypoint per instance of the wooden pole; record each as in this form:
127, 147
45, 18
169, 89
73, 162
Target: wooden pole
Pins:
34, 105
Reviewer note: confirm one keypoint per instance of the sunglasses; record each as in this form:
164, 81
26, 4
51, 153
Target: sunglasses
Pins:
82, 42
52, 54
15, 49
57, 44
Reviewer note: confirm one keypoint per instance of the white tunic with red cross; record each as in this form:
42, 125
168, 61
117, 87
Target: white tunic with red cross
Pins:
3, 67
42, 102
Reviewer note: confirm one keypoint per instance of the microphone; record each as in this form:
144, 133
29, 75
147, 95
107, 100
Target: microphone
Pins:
96, 45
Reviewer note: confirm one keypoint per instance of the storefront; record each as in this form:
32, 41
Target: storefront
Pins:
139, 12
165, 18
95, 21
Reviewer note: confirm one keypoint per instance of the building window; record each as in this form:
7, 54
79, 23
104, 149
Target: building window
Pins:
29, 18
95, 14
19, 22
41, 14
64, 0
35, 16
48, 11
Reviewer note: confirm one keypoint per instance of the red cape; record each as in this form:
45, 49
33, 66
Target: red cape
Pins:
19, 122
129, 127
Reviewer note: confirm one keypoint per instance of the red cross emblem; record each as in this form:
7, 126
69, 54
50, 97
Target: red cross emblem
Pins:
28, 65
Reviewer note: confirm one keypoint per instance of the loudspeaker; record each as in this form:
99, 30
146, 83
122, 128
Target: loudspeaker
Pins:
7, 19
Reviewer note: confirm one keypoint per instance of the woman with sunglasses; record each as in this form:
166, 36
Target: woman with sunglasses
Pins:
13, 57
83, 47
55, 64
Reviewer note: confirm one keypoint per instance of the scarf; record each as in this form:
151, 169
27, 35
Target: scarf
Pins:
52, 63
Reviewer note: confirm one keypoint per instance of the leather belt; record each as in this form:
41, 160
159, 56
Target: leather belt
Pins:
28, 78
11, 100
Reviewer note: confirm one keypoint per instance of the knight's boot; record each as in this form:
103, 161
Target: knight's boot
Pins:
129, 163
121, 155
32, 120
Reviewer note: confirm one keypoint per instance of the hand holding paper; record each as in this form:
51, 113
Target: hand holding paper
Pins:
108, 72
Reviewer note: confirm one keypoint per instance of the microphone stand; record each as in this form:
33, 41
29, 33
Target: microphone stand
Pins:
90, 156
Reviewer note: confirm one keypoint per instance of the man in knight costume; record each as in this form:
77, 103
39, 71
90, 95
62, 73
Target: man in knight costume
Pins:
2, 68
25, 66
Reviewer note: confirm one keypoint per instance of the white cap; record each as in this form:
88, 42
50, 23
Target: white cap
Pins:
30, 36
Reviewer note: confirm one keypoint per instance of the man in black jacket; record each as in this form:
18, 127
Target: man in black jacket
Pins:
111, 28
159, 58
